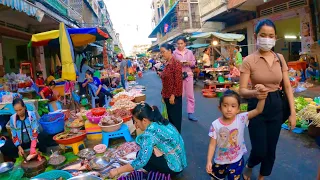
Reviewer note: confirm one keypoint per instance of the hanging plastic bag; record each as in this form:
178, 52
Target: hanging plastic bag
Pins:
164, 111
127, 85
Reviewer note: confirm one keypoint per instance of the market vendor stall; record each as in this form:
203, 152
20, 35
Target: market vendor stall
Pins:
220, 72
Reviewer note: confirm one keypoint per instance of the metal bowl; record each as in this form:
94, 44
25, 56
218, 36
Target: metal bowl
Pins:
6, 167
85, 177
86, 153
98, 163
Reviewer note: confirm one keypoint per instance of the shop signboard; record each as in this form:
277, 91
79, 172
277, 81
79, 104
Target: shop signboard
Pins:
306, 30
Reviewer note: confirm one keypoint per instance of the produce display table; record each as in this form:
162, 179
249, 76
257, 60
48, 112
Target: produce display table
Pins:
218, 85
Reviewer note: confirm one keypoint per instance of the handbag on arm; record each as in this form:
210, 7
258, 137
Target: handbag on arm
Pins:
284, 97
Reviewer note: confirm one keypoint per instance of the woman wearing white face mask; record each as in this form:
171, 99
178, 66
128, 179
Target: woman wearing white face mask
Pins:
268, 68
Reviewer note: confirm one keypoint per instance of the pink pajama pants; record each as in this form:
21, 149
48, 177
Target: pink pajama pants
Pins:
189, 94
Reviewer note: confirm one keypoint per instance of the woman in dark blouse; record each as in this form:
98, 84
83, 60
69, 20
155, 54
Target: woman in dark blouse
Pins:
172, 85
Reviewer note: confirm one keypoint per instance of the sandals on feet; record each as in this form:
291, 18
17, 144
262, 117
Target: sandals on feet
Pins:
247, 172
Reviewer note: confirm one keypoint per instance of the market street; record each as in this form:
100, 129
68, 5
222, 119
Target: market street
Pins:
297, 154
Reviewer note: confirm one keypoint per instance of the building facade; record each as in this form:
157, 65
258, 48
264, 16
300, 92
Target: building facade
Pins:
20, 19
293, 20
173, 18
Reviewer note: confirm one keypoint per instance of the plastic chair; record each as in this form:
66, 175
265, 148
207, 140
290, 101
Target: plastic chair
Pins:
94, 98
122, 132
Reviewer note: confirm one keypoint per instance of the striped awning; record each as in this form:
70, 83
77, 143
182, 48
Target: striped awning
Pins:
24, 6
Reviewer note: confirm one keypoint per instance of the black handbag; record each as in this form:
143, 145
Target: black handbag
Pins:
285, 101
184, 75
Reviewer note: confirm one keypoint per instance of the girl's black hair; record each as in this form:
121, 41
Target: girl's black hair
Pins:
205, 49
84, 60
18, 101
89, 72
39, 73
230, 93
182, 38
168, 47
52, 83
266, 22
153, 114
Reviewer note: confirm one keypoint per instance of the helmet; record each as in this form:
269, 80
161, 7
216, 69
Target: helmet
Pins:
120, 56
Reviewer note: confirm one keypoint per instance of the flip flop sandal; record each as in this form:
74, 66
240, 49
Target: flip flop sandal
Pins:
247, 172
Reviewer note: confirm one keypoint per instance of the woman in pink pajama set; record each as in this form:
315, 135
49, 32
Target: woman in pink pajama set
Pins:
188, 60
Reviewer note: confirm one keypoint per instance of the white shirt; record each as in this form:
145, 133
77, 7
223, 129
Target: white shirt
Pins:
230, 139
82, 75
206, 60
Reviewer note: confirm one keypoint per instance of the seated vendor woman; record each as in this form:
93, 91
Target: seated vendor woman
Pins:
234, 72
47, 92
25, 133
161, 145
96, 88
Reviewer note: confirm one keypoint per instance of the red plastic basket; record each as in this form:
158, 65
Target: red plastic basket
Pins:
70, 140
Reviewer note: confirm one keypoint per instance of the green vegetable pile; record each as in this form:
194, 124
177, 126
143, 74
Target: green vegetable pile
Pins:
42, 107
131, 78
300, 103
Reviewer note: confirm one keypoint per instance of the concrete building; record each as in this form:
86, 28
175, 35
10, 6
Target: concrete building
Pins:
20, 19
293, 19
171, 19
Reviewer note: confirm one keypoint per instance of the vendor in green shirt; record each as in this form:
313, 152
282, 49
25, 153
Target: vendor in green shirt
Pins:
238, 56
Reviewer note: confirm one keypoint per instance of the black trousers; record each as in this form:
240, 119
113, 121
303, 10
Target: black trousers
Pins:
159, 164
175, 112
83, 90
11, 151
264, 131
102, 97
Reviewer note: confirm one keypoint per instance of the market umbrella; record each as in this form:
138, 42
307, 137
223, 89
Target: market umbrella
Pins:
58, 62
52, 65
67, 54
79, 37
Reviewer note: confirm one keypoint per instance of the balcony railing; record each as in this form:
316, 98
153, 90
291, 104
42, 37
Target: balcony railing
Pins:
208, 6
58, 5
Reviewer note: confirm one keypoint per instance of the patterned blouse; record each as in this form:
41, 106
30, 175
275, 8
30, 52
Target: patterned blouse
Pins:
168, 140
172, 79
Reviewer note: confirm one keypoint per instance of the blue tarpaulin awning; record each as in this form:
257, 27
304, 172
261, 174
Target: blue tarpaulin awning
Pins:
166, 18
196, 46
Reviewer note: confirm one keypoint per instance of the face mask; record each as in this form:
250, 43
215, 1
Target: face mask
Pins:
235, 51
266, 44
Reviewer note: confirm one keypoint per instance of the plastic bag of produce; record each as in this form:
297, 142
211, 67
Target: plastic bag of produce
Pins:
164, 112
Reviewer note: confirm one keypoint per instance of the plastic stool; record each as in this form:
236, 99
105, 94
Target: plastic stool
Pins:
75, 146
122, 132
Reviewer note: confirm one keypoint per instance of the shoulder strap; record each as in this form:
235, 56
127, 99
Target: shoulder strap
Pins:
280, 60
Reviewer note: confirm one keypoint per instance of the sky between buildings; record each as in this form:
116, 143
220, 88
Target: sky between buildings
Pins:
132, 20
